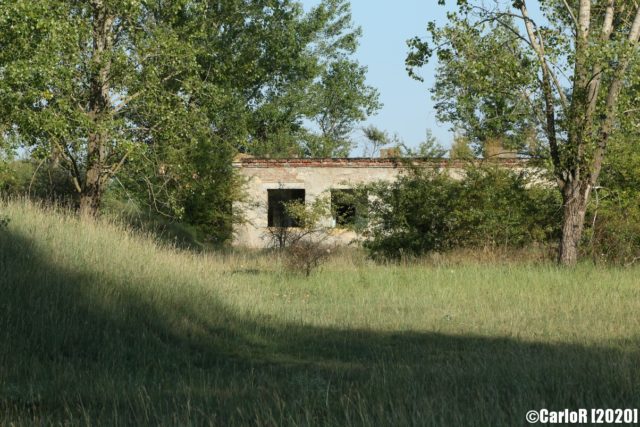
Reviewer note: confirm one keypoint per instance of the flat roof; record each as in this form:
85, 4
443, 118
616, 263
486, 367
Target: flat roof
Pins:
367, 162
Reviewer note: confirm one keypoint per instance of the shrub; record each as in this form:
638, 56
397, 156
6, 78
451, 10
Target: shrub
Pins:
613, 228
306, 255
503, 208
305, 246
428, 211
38, 180
612, 233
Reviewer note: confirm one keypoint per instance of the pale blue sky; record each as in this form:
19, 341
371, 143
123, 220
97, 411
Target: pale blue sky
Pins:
387, 25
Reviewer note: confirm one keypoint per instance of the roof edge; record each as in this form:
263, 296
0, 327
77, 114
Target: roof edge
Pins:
248, 162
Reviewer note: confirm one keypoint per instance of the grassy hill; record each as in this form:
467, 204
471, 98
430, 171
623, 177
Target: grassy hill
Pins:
99, 325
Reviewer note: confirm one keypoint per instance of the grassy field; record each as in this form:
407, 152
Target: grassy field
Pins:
100, 326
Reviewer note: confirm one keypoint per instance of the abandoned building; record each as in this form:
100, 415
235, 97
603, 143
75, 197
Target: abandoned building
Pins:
270, 182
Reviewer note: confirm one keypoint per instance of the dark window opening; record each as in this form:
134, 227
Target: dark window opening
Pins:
348, 208
277, 215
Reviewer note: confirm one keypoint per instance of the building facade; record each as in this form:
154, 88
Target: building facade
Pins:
270, 182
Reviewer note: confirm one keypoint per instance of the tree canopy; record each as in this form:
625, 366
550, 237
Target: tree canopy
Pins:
561, 79
156, 96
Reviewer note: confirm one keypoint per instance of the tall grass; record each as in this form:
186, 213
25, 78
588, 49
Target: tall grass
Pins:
100, 325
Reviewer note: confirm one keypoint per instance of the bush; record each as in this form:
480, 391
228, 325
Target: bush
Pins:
612, 235
502, 208
428, 211
305, 256
37, 180
305, 246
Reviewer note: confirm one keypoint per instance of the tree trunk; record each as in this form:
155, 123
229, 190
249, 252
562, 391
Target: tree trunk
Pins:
99, 105
91, 195
575, 197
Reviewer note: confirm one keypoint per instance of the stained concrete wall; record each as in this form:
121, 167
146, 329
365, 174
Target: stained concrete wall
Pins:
317, 177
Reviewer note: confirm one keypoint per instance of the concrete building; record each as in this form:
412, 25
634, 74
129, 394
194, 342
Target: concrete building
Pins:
269, 182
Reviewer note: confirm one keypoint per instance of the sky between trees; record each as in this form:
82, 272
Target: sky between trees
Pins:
408, 108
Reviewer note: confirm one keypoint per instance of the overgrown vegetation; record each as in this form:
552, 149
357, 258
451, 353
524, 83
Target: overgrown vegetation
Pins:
613, 220
554, 78
427, 210
305, 237
102, 326
151, 100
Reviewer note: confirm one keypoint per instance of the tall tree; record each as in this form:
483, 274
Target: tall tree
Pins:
264, 71
340, 96
169, 89
582, 51
341, 99
73, 73
484, 84
287, 69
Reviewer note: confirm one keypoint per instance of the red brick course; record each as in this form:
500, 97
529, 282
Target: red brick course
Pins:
360, 162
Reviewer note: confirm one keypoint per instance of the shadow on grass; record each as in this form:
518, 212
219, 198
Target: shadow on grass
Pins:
74, 352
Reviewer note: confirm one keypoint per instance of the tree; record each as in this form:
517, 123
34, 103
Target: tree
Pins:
77, 77
286, 71
581, 53
430, 148
156, 96
375, 139
483, 84
342, 99
264, 72
339, 95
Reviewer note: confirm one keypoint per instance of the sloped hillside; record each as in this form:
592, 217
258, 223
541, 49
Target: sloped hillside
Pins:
99, 325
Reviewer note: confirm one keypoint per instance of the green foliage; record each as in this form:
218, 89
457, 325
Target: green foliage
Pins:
613, 221
350, 209
190, 83
15, 177
281, 69
411, 216
146, 60
561, 84
461, 149
191, 182
484, 83
306, 222
430, 148
40, 180
341, 100
427, 210
375, 139
613, 231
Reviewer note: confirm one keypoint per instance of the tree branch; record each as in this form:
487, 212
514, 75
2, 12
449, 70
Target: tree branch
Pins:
548, 93
571, 14
538, 48
125, 102
594, 84
613, 95
75, 170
